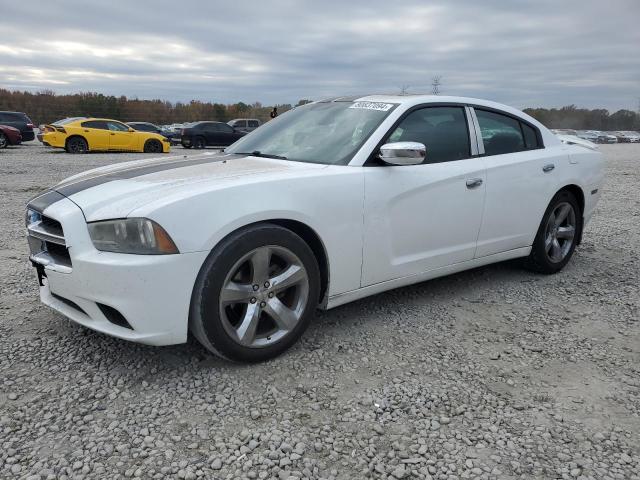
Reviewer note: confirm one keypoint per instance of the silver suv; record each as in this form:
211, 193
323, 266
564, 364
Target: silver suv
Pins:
245, 124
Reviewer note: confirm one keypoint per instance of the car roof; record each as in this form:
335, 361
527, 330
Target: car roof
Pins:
411, 100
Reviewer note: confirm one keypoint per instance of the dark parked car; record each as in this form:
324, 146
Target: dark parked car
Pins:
9, 136
245, 124
20, 121
214, 134
150, 127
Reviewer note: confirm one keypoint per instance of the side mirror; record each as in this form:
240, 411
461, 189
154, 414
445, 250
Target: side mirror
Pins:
403, 153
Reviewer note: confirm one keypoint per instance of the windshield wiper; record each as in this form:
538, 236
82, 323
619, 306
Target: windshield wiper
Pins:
258, 153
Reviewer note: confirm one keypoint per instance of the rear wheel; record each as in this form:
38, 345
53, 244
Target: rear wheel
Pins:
557, 235
199, 143
255, 294
3, 140
76, 145
152, 146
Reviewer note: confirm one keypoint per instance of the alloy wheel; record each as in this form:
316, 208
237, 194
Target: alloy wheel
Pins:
77, 145
560, 232
264, 296
3, 140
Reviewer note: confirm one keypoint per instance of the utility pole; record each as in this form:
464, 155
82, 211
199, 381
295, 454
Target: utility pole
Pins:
437, 81
404, 89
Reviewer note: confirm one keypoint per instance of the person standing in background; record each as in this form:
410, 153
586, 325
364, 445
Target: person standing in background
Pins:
274, 112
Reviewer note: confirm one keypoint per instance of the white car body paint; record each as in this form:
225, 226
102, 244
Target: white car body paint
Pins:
381, 227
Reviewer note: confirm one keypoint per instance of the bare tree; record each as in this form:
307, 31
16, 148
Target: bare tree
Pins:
404, 89
436, 83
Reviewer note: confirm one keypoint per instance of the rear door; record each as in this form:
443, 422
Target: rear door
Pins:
521, 178
96, 133
423, 217
120, 138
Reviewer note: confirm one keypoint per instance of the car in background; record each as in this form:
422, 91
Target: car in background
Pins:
209, 134
627, 136
20, 121
604, 137
9, 136
150, 127
587, 135
102, 134
244, 124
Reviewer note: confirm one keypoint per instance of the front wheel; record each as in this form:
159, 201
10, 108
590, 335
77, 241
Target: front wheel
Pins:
3, 140
256, 294
152, 146
557, 235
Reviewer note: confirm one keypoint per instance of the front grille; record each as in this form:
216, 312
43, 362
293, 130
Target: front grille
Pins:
47, 242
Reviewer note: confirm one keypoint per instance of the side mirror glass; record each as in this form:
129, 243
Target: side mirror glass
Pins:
403, 153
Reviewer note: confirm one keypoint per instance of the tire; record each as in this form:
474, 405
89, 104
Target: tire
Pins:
4, 141
186, 146
199, 143
76, 145
152, 146
262, 314
556, 240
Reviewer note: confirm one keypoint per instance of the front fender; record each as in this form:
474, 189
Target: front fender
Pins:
331, 204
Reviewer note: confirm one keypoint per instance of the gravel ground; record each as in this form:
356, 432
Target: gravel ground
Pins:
495, 373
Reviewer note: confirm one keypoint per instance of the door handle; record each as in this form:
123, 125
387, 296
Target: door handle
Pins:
474, 182
113, 134
547, 168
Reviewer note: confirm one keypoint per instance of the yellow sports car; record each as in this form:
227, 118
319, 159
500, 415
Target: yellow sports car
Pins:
82, 135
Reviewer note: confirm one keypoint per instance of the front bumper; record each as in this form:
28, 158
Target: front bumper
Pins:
151, 292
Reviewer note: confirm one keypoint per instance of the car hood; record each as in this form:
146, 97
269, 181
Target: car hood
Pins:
116, 190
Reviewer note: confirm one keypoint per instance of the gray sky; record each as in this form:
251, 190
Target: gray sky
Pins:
524, 53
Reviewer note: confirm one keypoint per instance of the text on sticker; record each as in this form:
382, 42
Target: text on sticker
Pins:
383, 107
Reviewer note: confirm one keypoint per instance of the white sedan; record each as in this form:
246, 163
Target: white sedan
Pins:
328, 203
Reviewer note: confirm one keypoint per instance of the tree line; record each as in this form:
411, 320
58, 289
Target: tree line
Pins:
583, 119
47, 107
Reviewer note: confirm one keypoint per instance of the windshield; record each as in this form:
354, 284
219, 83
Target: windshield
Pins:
329, 133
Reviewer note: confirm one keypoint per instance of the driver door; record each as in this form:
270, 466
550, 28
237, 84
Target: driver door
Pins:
120, 138
423, 217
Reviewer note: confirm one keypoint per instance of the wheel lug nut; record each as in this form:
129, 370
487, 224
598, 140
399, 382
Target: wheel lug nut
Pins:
270, 294
253, 300
266, 284
256, 287
263, 304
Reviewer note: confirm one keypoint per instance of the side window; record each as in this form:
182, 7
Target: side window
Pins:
223, 127
530, 137
240, 123
253, 123
117, 127
95, 124
500, 133
443, 130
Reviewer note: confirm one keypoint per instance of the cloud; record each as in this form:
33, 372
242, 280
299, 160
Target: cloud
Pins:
523, 53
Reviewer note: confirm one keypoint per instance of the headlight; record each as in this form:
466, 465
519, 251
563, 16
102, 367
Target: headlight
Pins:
31, 217
131, 235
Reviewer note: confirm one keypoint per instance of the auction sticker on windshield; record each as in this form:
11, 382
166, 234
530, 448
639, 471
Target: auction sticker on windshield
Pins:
383, 107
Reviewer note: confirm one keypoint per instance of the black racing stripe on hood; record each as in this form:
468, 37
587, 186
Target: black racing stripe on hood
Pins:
80, 185
40, 202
